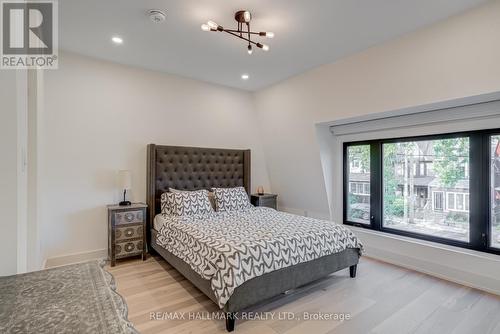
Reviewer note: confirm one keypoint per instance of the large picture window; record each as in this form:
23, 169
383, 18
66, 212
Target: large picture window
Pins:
431, 187
408, 184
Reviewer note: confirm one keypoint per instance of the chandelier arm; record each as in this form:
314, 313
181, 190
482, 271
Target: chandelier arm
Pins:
239, 31
241, 37
248, 29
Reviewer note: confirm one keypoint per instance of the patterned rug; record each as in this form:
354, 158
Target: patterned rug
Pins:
79, 298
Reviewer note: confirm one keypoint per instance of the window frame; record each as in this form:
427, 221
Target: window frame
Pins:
345, 199
455, 202
487, 170
356, 184
443, 200
480, 223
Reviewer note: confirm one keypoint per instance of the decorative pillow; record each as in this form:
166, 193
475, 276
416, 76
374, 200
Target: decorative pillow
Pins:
211, 196
230, 199
185, 203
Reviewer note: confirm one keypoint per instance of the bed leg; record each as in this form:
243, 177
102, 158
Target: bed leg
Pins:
230, 320
352, 270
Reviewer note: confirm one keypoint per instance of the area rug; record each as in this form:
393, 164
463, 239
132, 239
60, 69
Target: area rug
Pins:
79, 298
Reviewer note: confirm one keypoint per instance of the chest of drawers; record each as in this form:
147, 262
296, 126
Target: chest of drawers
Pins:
126, 231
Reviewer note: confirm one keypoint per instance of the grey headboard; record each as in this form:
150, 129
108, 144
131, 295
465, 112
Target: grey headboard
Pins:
192, 168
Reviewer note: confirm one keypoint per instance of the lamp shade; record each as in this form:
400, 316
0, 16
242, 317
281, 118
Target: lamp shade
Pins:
125, 179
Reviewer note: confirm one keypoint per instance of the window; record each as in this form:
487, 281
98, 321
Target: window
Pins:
360, 188
358, 198
495, 190
458, 202
431, 187
404, 210
438, 200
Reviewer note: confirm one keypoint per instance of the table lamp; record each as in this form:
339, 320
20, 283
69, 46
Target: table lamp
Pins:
125, 182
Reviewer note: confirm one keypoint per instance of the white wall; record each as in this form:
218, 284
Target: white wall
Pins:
13, 172
455, 58
35, 111
99, 117
8, 174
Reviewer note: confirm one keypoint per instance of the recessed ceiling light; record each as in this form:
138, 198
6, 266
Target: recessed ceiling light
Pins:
117, 40
245, 76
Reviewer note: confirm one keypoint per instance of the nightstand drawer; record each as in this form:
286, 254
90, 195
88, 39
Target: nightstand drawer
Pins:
129, 232
127, 248
268, 202
128, 217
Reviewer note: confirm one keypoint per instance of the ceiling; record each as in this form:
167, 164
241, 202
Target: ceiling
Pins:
308, 33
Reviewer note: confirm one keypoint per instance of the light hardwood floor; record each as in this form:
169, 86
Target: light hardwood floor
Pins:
382, 299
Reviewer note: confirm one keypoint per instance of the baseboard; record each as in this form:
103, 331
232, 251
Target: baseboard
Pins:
75, 258
469, 268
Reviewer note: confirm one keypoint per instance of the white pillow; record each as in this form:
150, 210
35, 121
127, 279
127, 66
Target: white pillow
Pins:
211, 196
230, 199
185, 203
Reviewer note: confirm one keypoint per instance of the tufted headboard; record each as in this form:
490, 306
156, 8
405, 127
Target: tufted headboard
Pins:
192, 168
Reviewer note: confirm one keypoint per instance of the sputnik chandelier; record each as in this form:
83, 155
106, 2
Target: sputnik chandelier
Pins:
243, 17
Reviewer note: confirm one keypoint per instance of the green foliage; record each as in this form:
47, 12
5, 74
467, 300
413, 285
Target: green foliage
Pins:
457, 217
451, 157
361, 153
393, 204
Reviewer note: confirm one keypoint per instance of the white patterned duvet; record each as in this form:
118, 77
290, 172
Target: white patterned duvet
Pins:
230, 248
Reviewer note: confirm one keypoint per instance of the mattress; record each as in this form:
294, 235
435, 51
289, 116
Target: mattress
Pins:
230, 248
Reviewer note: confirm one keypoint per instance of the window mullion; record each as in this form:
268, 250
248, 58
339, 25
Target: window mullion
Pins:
376, 185
478, 189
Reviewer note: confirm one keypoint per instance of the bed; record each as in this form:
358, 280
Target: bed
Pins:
297, 260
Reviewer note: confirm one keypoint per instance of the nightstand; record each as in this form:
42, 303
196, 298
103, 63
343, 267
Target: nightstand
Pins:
267, 200
126, 231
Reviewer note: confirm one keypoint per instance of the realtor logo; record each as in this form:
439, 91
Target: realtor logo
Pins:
29, 34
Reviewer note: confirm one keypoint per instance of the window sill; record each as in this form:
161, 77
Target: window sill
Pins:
425, 243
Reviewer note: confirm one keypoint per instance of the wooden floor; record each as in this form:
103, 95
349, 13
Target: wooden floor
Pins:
382, 299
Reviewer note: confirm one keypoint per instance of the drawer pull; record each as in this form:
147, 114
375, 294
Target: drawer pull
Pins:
129, 217
129, 247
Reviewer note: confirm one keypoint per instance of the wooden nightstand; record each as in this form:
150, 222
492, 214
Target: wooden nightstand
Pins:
126, 231
267, 200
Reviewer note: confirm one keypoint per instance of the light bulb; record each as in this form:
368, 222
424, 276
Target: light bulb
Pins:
250, 50
205, 27
270, 34
245, 76
247, 16
117, 40
265, 47
212, 24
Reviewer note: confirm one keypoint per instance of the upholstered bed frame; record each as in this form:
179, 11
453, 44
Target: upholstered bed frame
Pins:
192, 168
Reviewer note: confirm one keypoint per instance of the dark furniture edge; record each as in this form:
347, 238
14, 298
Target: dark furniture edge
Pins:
150, 191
